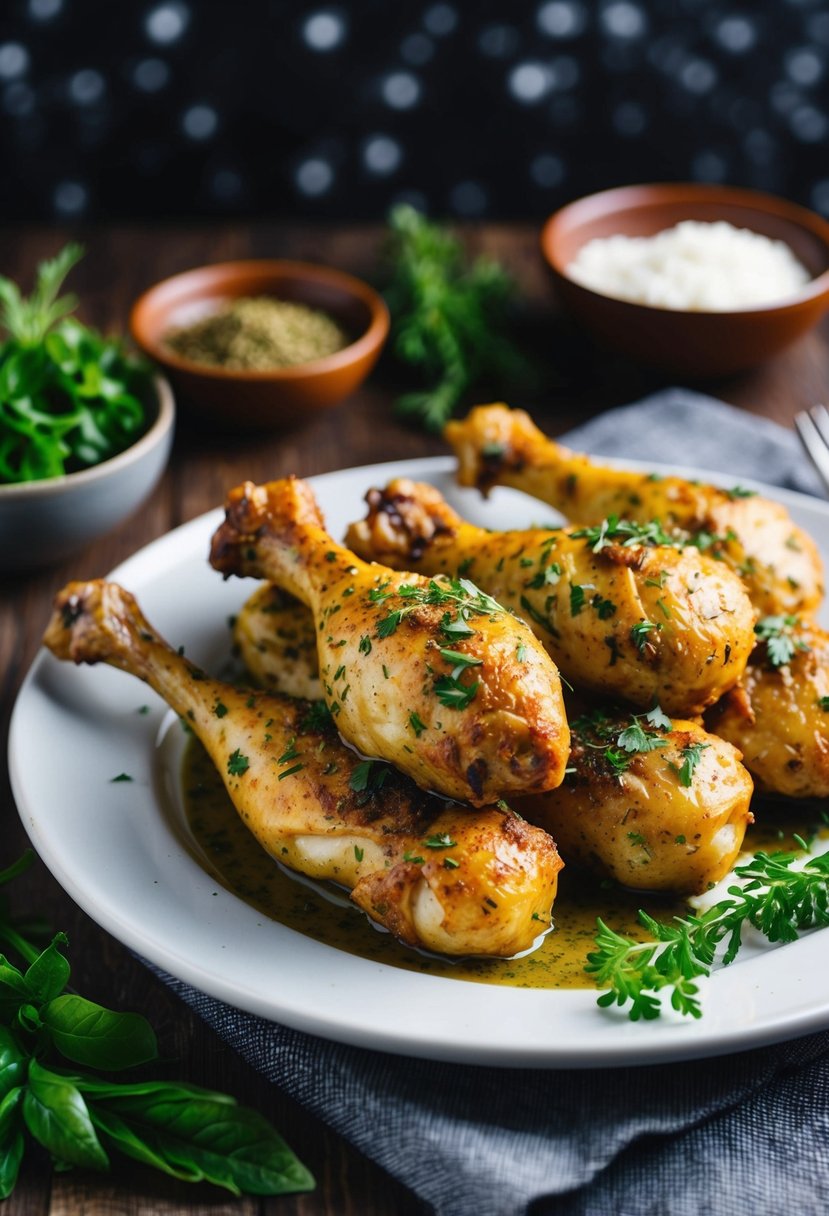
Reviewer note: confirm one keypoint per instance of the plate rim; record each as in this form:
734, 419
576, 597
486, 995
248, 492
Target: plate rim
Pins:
617, 1041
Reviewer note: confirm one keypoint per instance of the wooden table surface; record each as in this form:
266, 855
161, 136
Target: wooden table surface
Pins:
575, 382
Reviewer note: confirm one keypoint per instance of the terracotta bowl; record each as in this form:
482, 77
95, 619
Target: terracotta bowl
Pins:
693, 344
42, 522
263, 399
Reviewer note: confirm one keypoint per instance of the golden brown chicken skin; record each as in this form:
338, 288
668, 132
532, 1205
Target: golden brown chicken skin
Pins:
778, 714
647, 623
422, 673
778, 561
668, 817
275, 638
435, 874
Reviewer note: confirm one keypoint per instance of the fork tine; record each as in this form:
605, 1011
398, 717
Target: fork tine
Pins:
816, 446
820, 417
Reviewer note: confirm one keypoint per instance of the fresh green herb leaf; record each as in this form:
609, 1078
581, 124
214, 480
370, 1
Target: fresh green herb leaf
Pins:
778, 634
691, 756
448, 317
639, 633
237, 764
769, 894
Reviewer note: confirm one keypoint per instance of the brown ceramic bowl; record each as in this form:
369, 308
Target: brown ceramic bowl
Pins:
263, 399
692, 344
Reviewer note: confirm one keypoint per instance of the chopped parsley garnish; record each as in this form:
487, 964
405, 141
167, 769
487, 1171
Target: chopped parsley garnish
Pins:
368, 776
823, 703
577, 598
439, 840
639, 633
416, 724
219, 709
777, 633
359, 853
619, 744
289, 772
290, 752
365, 644
465, 596
237, 763
317, 717
626, 532
740, 492
548, 577
691, 756
120, 777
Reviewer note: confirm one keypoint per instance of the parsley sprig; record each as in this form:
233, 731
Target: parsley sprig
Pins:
69, 398
771, 896
778, 634
458, 594
619, 745
627, 533
50, 1039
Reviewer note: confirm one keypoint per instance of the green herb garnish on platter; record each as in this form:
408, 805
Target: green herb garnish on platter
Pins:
69, 398
50, 1039
780, 895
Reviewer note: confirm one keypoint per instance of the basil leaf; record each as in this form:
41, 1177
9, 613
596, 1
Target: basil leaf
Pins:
180, 1090
12, 1062
88, 1034
49, 973
56, 1115
11, 1142
190, 1135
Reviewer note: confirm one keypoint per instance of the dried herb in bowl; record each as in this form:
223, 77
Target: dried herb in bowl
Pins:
69, 397
258, 334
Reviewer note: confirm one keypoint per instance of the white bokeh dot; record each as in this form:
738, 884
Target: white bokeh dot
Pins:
468, 199
561, 18
498, 41
324, 31
417, 49
736, 34
629, 119
547, 170
150, 75
382, 154
70, 198
86, 87
314, 176
167, 22
808, 124
14, 60
621, 19
440, 19
804, 66
44, 10
401, 90
698, 76
199, 121
529, 82
709, 166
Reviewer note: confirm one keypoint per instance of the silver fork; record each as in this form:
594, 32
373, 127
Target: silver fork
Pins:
812, 426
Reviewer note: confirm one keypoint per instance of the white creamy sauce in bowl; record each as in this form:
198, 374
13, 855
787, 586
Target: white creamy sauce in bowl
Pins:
692, 267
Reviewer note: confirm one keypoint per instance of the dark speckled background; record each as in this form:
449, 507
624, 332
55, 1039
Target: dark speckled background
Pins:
154, 108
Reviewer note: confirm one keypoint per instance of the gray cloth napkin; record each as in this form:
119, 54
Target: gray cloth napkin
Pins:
747, 1133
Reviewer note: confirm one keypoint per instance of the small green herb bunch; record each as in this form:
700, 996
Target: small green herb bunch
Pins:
49, 1040
448, 316
780, 895
69, 398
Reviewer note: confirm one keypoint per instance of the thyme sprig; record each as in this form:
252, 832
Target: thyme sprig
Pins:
771, 896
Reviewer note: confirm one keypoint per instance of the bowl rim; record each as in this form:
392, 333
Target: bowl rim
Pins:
677, 192
161, 426
370, 340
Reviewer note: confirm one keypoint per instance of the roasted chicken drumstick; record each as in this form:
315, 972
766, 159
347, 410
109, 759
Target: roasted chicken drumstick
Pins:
655, 804
619, 614
435, 874
430, 675
778, 561
778, 714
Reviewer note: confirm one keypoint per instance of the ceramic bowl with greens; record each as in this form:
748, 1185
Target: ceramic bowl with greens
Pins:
85, 427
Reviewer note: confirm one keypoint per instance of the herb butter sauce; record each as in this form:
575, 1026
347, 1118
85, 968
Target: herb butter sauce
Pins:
240, 864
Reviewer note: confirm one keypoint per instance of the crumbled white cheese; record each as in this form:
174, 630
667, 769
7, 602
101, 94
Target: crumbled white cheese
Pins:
697, 267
